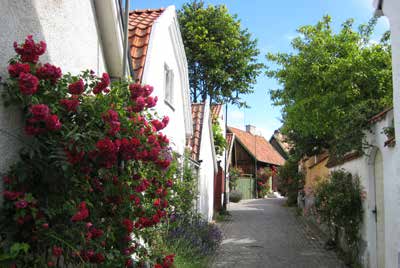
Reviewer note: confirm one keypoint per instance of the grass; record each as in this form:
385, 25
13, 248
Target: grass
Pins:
186, 262
223, 216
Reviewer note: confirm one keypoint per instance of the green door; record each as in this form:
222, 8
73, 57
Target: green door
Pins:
246, 186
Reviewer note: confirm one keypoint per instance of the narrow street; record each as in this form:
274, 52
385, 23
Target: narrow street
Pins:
264, 233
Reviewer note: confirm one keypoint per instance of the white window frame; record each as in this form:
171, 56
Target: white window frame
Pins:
169, 86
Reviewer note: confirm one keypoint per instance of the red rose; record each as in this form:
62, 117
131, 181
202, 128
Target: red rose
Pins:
139, 104
147, 90
165, 121
21, 204
70, 105
28, 83
128, 224
103, 84
11, 195
76, 88
96, 232
49, 72
57, 251
168, 261
30, 51
15, 69
52, 123
151, 102
157, 202
158, 124
82, 213
169, 183
136, 90
40, 111
99, 258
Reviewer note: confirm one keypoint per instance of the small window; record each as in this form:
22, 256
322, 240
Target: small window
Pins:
169, 85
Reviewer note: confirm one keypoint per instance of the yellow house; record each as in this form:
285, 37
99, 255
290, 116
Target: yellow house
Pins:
314, 168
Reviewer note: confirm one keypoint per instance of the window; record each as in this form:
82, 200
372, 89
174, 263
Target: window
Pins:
169, 85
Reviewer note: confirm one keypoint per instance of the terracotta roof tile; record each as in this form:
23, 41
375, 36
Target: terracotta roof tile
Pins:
139, 30
334, 161
215, 110
379, 116
198, 118
258, 146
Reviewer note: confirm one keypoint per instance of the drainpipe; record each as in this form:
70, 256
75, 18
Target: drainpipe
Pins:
226, 160
125, 58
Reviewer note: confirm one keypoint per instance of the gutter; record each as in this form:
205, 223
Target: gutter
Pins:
379, 8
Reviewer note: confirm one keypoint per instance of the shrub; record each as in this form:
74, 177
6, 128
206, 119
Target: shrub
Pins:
290, 180
93, 183
338, 202
263, 184
235, 196
234, 175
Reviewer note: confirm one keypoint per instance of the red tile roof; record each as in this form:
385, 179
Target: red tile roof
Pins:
140, 25
379, 116
198, 118
258, 146
215, 110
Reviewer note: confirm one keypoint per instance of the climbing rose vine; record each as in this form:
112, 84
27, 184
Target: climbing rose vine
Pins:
92, 184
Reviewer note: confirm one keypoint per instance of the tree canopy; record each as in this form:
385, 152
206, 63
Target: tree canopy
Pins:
222, 56
331, 85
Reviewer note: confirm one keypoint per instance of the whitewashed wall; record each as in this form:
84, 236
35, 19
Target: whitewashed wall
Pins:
364, 168
391, 9
70, 30
165, 47
207, 168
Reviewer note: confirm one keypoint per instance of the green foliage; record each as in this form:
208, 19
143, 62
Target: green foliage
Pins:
331, 86
190, 237
290, 180
185, 187
235, 196
222, 57
338, 202
219, 138
234, 175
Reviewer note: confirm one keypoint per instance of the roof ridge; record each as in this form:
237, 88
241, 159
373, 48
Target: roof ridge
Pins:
147, 10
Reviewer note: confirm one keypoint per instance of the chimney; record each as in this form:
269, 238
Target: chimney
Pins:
251, 129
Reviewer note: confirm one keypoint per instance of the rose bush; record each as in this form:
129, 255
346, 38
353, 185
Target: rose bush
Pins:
93, 183
263, 180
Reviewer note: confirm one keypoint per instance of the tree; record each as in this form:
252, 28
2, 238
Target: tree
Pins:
222, 57
331, 86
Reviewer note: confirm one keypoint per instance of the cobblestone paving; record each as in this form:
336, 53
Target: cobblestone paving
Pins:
263, 233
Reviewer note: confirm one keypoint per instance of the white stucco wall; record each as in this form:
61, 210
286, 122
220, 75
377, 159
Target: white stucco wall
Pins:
207, 168
391, 9
364, 168
164, 50
68, 27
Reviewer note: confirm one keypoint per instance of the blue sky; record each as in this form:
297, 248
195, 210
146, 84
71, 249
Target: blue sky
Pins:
274, 24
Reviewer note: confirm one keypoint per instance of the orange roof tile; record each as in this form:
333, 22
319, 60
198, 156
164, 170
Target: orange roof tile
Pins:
215, 110
379, 116
258, 146
195, 141
139, 26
